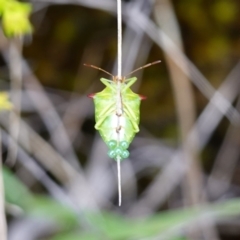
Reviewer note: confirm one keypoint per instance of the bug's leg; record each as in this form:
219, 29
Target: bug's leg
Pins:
130, 79
105, 112
132, 117
130, 111
130, 82
107, 83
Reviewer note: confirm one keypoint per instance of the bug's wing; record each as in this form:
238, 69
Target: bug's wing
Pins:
105, 107
104, 104
132, 102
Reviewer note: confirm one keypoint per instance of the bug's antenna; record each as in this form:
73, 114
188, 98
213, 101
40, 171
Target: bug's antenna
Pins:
98, 68
145, 66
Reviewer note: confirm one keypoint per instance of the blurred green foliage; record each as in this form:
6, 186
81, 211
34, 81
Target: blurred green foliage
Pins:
4, 101
15, 17
36, 205
106, 225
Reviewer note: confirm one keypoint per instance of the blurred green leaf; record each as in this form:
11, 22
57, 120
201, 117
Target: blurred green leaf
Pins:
4, 101
46, 208
77, 236
179, 238
15, 17
164, 223
110, 225
2, 6
36, 205
15, 192
113, 226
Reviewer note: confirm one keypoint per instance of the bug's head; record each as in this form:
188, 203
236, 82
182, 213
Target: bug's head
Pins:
119, 79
